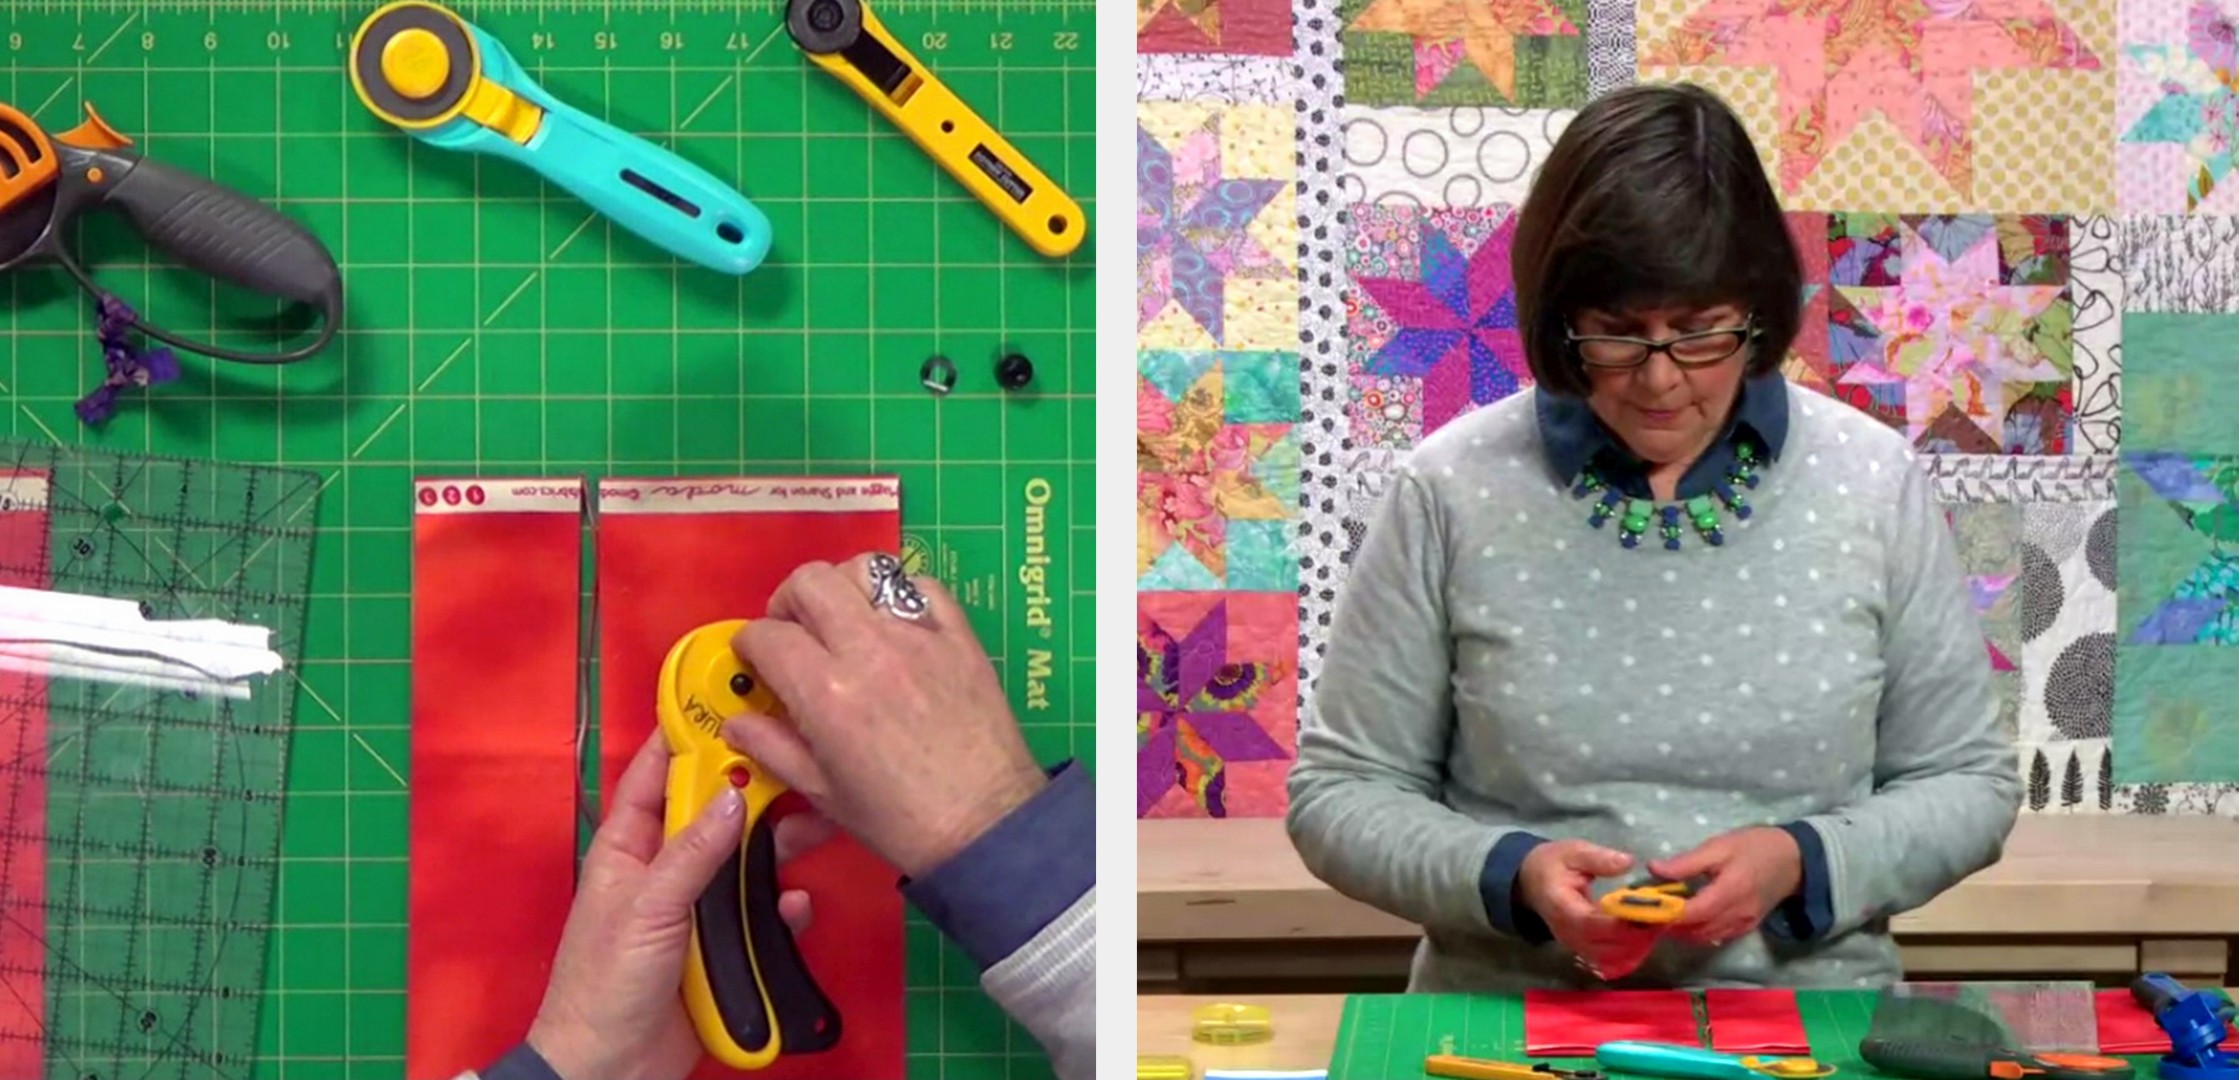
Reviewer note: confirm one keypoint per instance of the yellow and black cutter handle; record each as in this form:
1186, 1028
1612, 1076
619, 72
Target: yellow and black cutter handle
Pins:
749, 994
1653, 902
844, 38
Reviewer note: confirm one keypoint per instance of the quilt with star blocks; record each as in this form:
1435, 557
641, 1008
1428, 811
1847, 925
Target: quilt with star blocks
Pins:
2017, 220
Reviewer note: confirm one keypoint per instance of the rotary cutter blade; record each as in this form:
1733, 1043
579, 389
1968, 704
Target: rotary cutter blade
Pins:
750, 996
844, 38
447, 83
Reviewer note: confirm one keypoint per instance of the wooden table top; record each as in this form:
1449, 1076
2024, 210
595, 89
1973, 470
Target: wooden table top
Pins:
1240, 879
1305, 1030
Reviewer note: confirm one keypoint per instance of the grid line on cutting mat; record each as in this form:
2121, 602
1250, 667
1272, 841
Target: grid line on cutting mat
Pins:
497, 327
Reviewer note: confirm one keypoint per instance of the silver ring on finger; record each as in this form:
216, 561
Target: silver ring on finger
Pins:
892, 591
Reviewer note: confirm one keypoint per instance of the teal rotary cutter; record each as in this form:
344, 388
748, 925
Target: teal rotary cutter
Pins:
424, 69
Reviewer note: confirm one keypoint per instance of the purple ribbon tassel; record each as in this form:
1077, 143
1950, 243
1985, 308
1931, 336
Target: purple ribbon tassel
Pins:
128, 365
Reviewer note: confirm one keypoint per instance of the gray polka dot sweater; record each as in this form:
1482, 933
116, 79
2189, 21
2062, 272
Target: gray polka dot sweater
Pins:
1498, 666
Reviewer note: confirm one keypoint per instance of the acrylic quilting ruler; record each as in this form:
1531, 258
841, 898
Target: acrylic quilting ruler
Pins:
140, 820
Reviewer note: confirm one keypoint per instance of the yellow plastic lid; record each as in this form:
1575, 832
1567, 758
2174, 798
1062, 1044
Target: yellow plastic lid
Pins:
1231, 1025
1163, 1067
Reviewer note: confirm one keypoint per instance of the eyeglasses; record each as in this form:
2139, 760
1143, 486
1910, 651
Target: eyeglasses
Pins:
1699, 349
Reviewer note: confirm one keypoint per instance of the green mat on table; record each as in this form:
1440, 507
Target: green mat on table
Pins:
497, 326
1387, 1036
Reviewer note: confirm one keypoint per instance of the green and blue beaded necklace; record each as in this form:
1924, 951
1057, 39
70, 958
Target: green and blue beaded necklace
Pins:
1705, 513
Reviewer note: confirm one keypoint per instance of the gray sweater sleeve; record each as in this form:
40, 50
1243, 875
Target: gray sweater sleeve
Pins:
1947, 786
1366, 812
1049, 987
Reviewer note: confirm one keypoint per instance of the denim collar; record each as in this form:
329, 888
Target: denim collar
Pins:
1574, 437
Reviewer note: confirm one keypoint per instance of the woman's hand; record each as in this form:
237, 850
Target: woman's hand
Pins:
900, 731
1556, 881
614, 1009
1751, 871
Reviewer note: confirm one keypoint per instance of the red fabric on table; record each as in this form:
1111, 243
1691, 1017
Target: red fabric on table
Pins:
674, 555
23, 739
497, 571
1571, 1023
1755, 1022
2126, 1027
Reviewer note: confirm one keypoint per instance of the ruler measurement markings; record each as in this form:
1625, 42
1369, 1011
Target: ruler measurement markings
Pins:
226, 864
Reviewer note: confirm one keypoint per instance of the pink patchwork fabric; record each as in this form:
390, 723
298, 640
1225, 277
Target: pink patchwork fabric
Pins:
1432, 318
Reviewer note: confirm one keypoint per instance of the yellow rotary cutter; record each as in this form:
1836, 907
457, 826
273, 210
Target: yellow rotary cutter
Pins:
749, 995
1652, 903
844, 38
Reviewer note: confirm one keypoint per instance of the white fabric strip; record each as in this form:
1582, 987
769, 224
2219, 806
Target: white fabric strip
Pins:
102, 639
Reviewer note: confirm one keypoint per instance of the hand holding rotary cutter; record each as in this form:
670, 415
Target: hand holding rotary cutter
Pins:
844, 38
750, 996
447, 83
46, 181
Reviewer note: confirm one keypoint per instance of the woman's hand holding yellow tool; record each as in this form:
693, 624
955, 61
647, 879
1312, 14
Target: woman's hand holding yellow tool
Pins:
899, 728
612, 1010
1556, 880
1750, 872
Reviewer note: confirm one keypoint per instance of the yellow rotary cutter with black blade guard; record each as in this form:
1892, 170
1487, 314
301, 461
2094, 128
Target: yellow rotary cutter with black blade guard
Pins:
749, 995
844, 38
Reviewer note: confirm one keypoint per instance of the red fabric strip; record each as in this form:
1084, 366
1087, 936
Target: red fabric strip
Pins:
496, 605
1571, 1023
23, 814
1756, 1022
2126, 1027
676, 554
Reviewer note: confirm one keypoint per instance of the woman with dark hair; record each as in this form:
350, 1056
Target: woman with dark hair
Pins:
1660, 616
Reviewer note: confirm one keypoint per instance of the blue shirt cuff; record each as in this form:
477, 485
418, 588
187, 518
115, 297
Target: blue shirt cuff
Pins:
1808, 914
1496, 885
1018, 877
521, 1063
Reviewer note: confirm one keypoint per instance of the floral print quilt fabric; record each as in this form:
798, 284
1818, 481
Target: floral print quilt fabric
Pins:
2016, 220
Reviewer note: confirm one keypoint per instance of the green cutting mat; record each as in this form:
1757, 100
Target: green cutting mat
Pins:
497, 326
1387, 1036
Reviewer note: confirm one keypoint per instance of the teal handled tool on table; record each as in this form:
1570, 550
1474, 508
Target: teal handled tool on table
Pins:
1694, 1063
449, 84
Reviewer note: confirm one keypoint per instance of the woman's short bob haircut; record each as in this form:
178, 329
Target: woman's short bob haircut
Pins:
1653, 197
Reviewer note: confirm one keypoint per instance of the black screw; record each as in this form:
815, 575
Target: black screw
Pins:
938, 374
826, 17
1014, 371
741, 685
